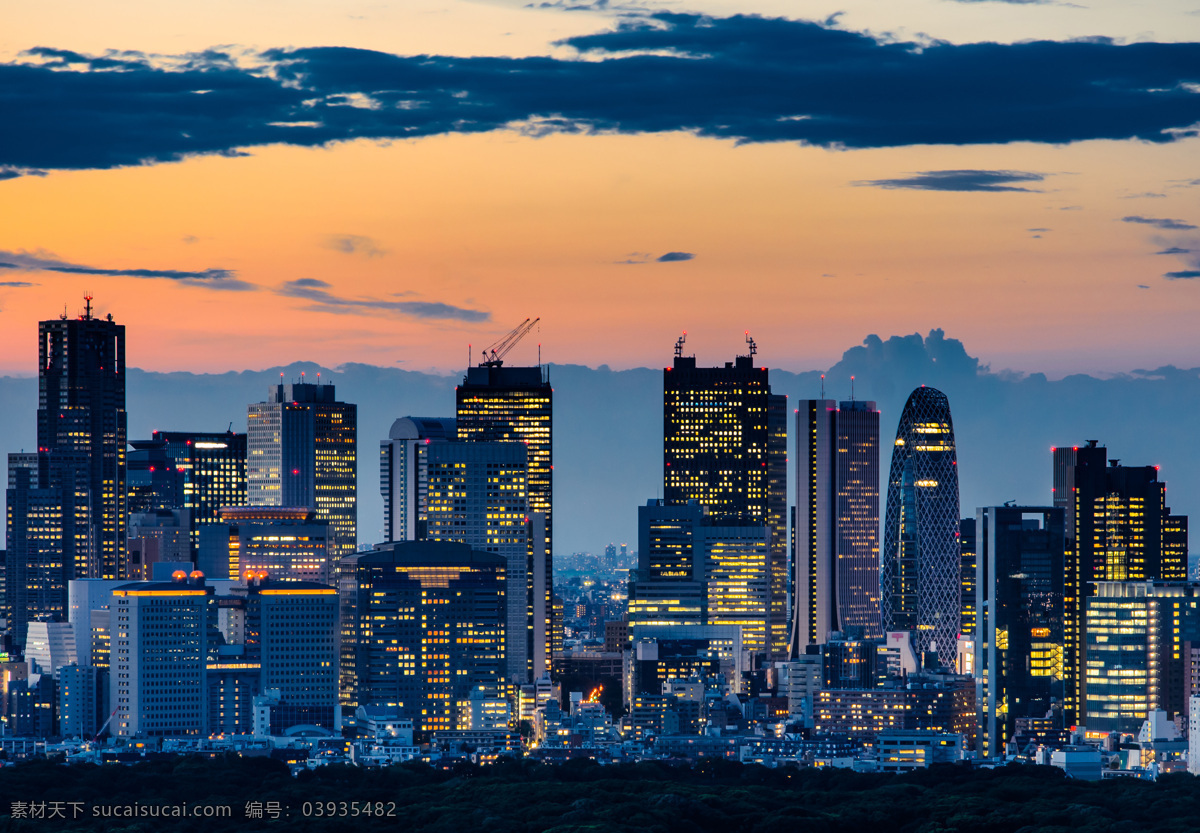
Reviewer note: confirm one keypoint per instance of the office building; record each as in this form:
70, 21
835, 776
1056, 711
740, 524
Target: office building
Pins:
50, 534
289, 543
152, 479
516, 404
1135, 659
737, 581
920, 580
1118, 528
837, 521
81, 409
1019, 635
213, 469
668, 587
403, 474
159, 657
477, 494
423, 624
725, 446
301, 452
157, 536
968, 581
79, 703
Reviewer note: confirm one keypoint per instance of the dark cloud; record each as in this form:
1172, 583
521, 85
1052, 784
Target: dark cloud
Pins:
675, 257
967, 180
1174, 250
1160, 222
1186, 274
354, 244
1037, 229
16, 284
10, 172
45, 262
1142, 286
312, 289
744, 78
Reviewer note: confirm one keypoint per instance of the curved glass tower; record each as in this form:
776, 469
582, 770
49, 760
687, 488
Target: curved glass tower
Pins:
919, 579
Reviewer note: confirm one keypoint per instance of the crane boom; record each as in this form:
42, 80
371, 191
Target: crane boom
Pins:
494, 356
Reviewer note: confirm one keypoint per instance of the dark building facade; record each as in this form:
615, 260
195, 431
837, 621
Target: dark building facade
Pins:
1019, 640
81, 408
837, 521
725, 446
422, 625
921, 576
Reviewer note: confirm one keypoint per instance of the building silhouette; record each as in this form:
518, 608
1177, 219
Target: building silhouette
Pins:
837, 521
920, 579
81, 408
213, 469
725, 446
301, 452
403, 474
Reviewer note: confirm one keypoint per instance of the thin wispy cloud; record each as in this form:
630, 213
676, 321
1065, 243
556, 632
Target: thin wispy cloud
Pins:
1160, 223
813, 83
41, 261
318, 292
960, 180
354, 244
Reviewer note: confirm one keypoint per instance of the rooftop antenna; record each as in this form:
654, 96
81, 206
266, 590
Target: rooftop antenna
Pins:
753, 346
822, 385
851, 388
87, 308
679, 342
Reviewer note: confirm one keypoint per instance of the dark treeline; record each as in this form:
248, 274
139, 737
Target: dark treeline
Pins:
582, 796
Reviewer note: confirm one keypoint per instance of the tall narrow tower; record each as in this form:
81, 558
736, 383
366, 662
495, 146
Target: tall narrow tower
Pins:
920, 580
837, 521
81, 408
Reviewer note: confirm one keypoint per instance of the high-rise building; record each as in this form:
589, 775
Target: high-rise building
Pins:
213, 467
516, 404
1019, 631
668, 588
920, 580
81, 408
837, 521
288, 543
968, 581
737, 581
477, 495
422, 626
1134, 654
403, 474
51, 537
301, 452
1119, 528
725, 446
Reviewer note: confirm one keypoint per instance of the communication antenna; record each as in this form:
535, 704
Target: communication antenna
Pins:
753, 346
679, 342
851, 388
822, 385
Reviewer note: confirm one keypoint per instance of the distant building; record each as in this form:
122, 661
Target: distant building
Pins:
302, 452
81, 410
1118, 528
837, 521
423, 624
403, 474
905, 750
49, 646
289, 543
725, 446
920, 581
1019, 637
213, 467
156, 536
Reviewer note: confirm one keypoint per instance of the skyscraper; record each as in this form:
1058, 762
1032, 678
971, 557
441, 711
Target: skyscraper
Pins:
403, 474
920, 580
516, 404
213, 466
422, 626
50, 533
837, 521
301, 452
1019, 633
1119, 528
81, 408
725, 445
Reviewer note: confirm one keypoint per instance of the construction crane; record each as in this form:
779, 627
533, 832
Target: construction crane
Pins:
494, 356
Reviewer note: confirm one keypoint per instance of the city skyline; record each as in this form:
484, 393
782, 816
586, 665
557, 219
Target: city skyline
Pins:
1006, 205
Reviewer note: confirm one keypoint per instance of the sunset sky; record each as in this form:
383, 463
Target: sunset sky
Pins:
246, 184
